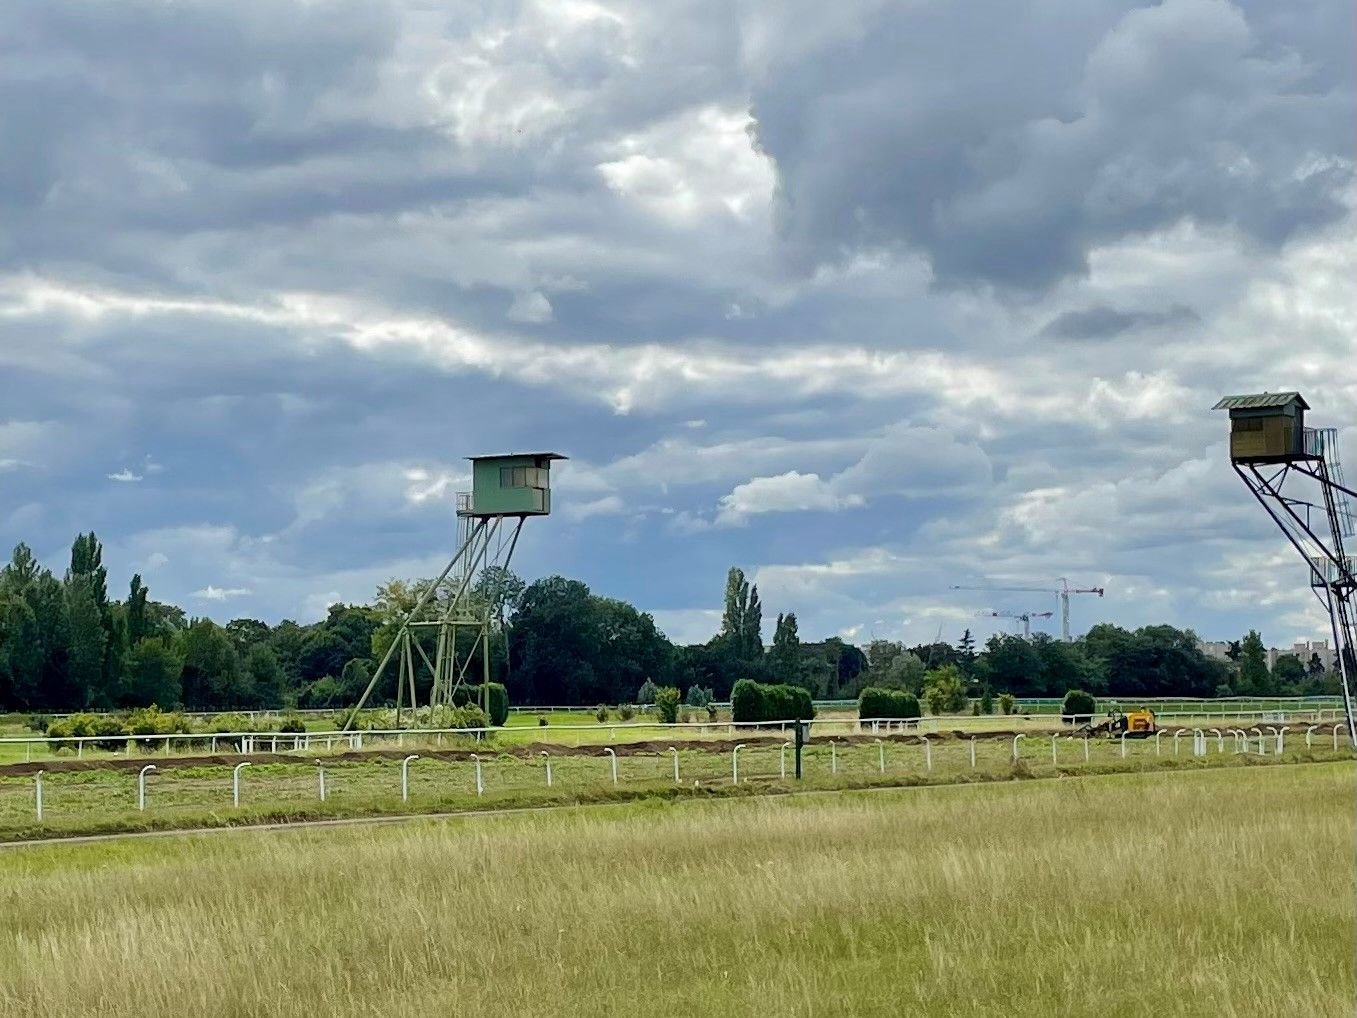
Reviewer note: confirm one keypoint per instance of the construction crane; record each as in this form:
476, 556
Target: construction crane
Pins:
1062, 594
1024, 617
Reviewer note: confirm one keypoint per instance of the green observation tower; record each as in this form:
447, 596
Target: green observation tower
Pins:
451, 620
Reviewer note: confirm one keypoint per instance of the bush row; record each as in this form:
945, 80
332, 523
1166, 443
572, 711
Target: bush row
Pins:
112, 730
755, 701
888, 703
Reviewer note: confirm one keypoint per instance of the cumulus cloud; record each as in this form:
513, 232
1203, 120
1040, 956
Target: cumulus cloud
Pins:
918, 462
1013, 171
210, 593
965, 280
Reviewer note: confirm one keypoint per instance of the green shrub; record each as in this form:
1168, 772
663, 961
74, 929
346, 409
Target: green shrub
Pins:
746, 701
292, 724
541, 720
1007, 703
944, 690
81, 724
667, 704
987, 701
499, 704
230, 723
1079, 706
37, 722
698, 697
625, 712
711, 710
645, 696
499, 701
469, 716
888, 704
600, 714
59, 729
108, 725
755, 701
975, 708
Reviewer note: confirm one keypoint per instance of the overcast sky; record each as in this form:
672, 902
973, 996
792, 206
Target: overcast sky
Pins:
868, 298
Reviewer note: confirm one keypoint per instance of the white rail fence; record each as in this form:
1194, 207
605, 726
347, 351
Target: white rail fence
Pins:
1063, 748
253, 743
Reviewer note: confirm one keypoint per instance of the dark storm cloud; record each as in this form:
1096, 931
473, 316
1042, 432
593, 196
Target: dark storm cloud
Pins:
1006, 142
1102, 321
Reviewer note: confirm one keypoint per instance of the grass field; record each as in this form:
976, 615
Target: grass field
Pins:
1226, 892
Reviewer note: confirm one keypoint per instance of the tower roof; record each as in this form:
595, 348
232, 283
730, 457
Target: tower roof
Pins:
1261, 400
520, 455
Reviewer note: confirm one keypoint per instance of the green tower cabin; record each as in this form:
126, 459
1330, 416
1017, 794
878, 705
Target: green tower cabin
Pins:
518, 484
1268, 427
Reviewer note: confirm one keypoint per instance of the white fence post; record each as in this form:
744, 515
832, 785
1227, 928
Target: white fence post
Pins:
676, 764
1020, 735
1123, 745
1054, 759
928, 751
1176, 735
612, 755
37, 793
833, 758
1335, 737
547, 757
1198, 742
880, 756
235, 782
1281, 739
782, 760
1308, 733
735, 764
141, 785
1259, 732
480, 785
320, 777
972, 752
1157, 733
405, 776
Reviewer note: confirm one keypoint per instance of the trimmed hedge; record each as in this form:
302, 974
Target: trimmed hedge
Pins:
755, 701
895, 704
1079, 706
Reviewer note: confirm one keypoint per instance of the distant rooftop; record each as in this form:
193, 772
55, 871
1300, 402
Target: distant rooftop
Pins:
1260, 400
521, 455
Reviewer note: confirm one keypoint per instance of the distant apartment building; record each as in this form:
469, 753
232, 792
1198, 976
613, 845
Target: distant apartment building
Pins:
1219, 650
1216, 649
1305, 650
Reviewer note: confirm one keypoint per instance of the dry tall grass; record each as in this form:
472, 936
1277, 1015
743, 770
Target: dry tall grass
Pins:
1222, 893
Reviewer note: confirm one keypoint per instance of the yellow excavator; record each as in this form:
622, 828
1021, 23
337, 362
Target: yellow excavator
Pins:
1137, 724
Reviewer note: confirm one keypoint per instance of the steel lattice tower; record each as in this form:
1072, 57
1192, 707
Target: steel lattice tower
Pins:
1295, 474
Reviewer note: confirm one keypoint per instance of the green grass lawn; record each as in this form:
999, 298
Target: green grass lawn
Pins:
1214, 892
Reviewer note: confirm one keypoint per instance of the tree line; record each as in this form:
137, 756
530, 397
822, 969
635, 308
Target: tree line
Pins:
67, 645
